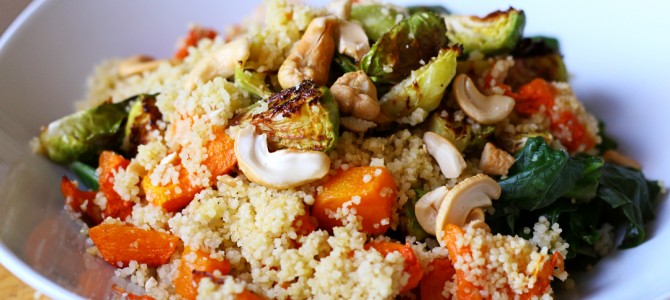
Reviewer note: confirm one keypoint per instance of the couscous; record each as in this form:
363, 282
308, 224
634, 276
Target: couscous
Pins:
357, 151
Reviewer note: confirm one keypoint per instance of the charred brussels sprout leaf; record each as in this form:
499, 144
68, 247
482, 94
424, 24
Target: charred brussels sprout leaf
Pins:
303, 117
143, 118
495, 33
345, 63
254, 83
406, 47
84, 134
376, 19
422, 92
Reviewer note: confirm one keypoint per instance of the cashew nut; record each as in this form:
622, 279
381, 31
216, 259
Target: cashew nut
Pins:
340, 9
356, 95
445, 153
459, 203
483, 109
356, 124
616, 157
311, 55
137, 64
353, 40
221, 63
281, 169
426, 208
495, 161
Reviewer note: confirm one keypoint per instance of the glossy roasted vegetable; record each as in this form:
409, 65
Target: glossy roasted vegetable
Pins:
86, 174
143, 118
303, 117
406, 47
459, 133
411, 100
376, 19
498, 32
84, 134
252, 82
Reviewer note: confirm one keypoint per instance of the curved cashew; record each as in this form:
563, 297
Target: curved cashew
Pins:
458, 204
281, 169
483, 109
353, 40
495, 161
356, 95
137, 64
311, 55
426, 208
356, 124
445, 153
221, 63
340, 9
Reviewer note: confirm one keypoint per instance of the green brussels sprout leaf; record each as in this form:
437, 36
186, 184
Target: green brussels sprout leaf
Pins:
143, 118
411, 100
376, 19
498, 32
406, 47
252, 82
84, 134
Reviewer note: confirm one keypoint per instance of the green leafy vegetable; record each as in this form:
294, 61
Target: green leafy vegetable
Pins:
606, 142
406, 47
345, 63
540, 176
86, 175
410, 224
84, 134
376, 19
581, 193
460, 133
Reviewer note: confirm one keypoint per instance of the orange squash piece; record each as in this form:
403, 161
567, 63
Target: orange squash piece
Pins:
220, 160
120, 243
432, 283
188, 276
110, 163
81, 201
195, 34
412, 264
130, 296
248, 295
375, 187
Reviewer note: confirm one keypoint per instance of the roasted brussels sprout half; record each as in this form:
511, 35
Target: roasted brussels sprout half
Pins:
143, 118
406, 47
252, 82
411, 100
376, 19
303, 117
460, 133
498, 32
83, 135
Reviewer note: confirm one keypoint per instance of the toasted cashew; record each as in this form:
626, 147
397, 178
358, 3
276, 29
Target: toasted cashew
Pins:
311, 55
221, 63
481, 108
137, 64
353, 40
495, 161
340, 8
356, 95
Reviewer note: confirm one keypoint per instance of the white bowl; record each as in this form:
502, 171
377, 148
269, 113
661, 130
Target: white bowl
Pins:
618, 58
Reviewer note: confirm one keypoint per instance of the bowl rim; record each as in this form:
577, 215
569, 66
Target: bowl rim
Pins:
8, 259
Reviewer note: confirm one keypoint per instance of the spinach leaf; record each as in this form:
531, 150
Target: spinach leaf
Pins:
86, 175
540, 175
627, 191
606, 142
